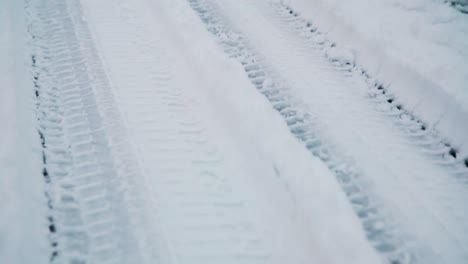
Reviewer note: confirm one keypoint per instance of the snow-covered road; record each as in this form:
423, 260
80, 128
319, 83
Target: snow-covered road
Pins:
410, 205
212, 131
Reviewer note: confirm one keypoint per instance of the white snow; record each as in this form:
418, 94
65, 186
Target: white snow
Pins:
343, 55
22, 214
292, 202
407, 184
419, 48
163, 151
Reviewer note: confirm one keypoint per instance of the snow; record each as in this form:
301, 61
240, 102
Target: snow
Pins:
354, 134
342, 55
461, 5
22, 217
166, 142
290, 199
418, 48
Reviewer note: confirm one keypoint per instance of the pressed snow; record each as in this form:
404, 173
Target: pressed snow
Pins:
292, 200
232, 131
352, 130
418, 48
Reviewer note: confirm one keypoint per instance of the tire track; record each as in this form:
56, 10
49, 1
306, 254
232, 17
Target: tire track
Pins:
382, 230
86, 161
430, 141
301, 125
459, 5
201, 216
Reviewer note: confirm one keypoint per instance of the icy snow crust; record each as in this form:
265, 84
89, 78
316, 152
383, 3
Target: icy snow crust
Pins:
418, 49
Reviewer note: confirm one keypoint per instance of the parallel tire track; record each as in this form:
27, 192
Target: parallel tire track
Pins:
380, 230
301, 125
430, 141
82, 141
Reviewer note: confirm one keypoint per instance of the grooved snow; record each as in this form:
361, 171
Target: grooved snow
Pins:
418, 48
213, 131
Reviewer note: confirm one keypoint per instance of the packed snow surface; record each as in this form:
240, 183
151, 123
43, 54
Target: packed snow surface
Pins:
360, 133
231, 132
419, 48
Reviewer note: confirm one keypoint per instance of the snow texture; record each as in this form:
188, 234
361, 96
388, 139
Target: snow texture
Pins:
233, 131
355, 127
291, 201
149, 155
418, 48
22, 215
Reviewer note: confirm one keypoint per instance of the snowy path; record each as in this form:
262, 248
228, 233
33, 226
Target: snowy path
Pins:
403, 183
149, 158
210, 131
